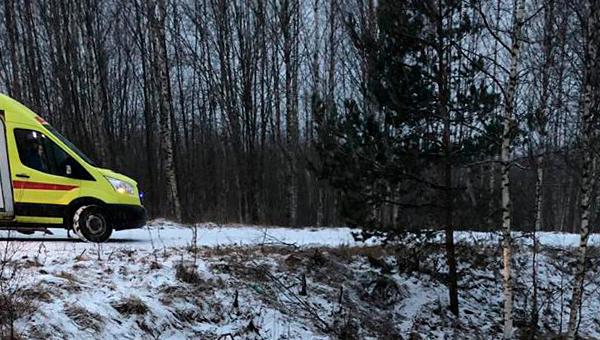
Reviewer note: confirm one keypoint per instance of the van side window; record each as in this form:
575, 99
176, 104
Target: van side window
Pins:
36, 151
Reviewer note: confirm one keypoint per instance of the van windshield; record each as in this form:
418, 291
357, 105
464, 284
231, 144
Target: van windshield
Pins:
70, 145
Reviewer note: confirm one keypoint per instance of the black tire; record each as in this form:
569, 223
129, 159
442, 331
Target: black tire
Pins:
90, 223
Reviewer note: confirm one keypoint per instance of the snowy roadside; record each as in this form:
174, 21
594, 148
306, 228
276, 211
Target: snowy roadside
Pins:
131, 286
162, 233
550, 239
274, 283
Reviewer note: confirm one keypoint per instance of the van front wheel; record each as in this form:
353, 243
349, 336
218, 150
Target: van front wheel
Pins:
90, 223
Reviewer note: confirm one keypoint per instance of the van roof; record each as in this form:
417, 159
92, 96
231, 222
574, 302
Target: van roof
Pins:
18, 113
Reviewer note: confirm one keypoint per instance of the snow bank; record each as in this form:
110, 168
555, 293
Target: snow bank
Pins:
129, 288
160, 233
551, 239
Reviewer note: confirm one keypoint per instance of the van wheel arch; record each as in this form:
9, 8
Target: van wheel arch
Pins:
76, 204
91, 224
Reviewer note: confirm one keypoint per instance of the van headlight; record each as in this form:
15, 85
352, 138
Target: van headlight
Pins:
121, 186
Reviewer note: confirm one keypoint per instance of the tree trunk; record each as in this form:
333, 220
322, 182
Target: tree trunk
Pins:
492, 192
11, 29
541, 127
443, 97
539, 204
589, 118
505, 160
289, 25
580, 269
157, 14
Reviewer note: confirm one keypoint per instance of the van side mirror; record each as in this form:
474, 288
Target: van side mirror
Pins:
68, 170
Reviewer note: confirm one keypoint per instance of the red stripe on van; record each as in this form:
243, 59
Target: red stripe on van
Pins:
42, 186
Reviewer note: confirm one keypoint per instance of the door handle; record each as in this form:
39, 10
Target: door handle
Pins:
22, 175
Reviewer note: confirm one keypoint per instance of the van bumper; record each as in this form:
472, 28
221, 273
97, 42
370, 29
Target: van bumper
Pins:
124, 216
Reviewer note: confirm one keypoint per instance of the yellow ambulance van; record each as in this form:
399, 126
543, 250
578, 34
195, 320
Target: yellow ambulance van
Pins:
46, 182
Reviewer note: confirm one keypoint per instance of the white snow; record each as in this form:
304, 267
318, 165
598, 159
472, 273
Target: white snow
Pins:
161, 233
551, 239
78, 287
85, 280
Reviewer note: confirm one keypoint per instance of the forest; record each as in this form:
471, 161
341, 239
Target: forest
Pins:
315, 112
388, 115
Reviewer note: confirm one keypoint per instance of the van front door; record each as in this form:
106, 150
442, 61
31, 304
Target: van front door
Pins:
43, 175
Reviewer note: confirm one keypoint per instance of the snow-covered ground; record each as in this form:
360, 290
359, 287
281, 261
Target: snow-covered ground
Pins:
161, 233
239, 282
83, 290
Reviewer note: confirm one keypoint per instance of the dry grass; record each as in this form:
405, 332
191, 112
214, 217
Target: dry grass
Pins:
349, 253
188, 274
188, 316
67, 276
83, 318
39, 332
13, 306
130, 306
30, 263
37, 293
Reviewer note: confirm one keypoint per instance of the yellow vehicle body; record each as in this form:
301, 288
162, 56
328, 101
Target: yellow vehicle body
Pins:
50, 197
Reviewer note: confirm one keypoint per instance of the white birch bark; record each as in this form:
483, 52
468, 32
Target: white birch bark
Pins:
541, 127
584, 232
589, 116
157, 16
505, 160
539, 204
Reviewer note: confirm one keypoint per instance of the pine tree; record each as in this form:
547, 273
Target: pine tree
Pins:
405, 141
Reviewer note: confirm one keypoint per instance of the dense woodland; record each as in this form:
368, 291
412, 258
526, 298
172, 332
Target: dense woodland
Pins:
244, 93
207, 103
386, 114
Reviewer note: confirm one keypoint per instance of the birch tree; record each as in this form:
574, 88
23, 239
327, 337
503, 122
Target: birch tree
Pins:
538, 123
505, 159
11, 28
157, 13
589, 118
289, 21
